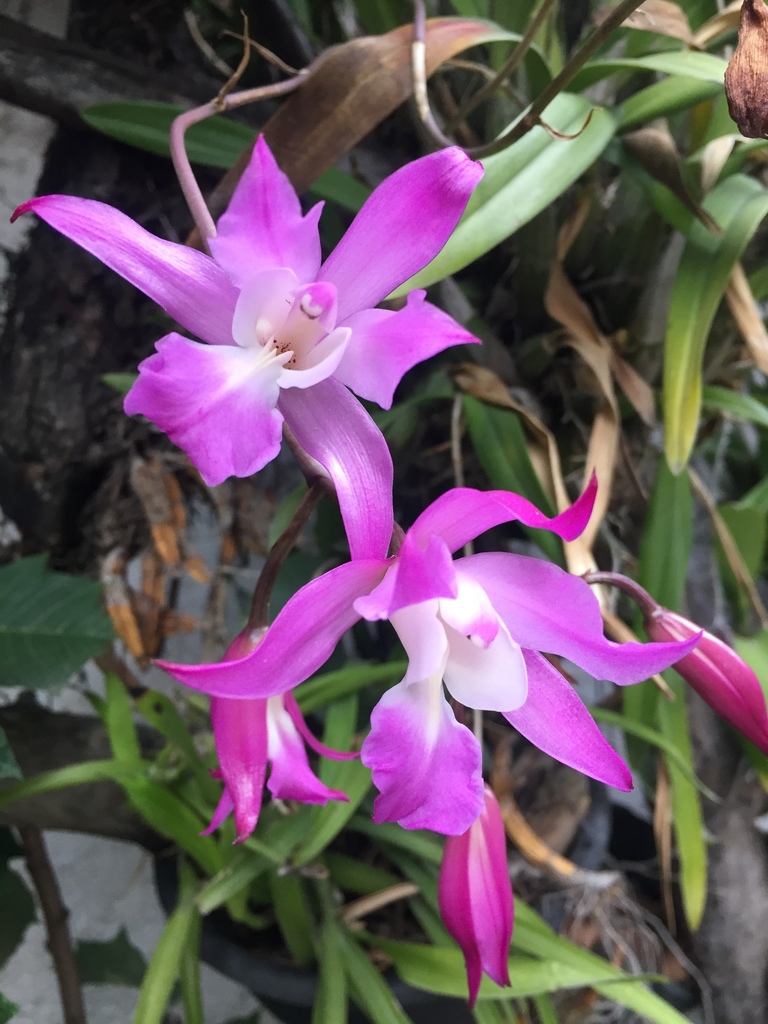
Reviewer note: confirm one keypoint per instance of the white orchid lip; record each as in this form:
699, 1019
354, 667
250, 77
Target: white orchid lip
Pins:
294, 323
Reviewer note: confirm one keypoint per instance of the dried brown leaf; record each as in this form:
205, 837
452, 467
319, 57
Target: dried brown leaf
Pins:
148, 483
660, 16
743, 307
722, 22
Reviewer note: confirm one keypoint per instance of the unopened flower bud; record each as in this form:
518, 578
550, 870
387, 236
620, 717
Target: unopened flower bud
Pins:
717, 674
746, 78
475, 896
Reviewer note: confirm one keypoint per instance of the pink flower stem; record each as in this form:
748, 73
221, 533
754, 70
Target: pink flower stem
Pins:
640, 596
189, 186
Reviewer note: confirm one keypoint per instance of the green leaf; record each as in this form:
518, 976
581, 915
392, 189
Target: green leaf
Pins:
120, 382
664, 98
189, 968
690, 63
331, 686
71, 775
18, 911
9, 766
118, 719
500, 445
442, 970
738, 205
164, 966
356, 876
330, 1006
535, 938
341, 188
520, 182
8, 1010
216, 142
351, 777
736, 405
115, 962
293, 917
50, 624
366, 985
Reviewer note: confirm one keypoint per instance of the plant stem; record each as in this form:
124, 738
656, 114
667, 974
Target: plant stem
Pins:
259, 617
55, 914
189, 186
639, 595
532, 116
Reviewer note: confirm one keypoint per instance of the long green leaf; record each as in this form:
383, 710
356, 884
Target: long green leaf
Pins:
331, 686
330, 1006
732, 403
689, 63
71, 775
738, 205
520, 182
366, 985
50, 624
164, 966
664, 98
442, 970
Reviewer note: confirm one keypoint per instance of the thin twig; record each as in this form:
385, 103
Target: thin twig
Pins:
532, 116
189, 186
512, 62
55, 914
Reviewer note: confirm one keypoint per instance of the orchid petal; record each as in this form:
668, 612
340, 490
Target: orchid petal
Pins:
470, 612
263, 226
418, 574
215, 402
548, 609
290, 776
292, 707
188, 285
299, 641
555, 719
422, 635
386, 344
223, 810
401, 227
334, 429
460, 515
240, 734
425, 764
492, 678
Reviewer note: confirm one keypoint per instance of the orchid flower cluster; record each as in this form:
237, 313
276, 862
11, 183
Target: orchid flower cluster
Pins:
283, 339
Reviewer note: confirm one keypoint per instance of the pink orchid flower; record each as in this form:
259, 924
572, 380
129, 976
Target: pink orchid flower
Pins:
252, 734
284, 331
478, 625
475, 896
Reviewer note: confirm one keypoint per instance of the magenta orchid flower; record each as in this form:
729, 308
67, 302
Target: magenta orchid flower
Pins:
478, 625
475, 896
284, 331
251, 735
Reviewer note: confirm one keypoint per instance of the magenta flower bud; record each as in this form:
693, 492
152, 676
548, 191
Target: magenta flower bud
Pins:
717, 674
475, 896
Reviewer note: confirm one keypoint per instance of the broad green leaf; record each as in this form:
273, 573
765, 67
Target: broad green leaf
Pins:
756, 498
50, 624
689, 63
114, 962
732, 403
500, 445
17, 911
216, 142
423, 844
356, 876
8, 1010
164, 966
442, 970
520, 182
9, 766
664, 555
71, 775
664, 98
738, 205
